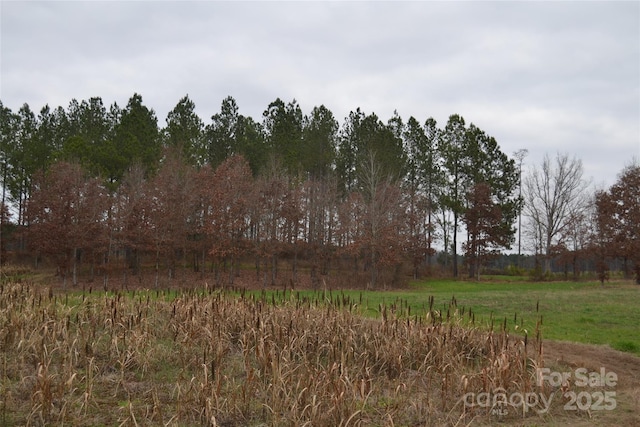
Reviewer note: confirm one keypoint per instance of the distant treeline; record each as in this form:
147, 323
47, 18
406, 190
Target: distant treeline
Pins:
111, 189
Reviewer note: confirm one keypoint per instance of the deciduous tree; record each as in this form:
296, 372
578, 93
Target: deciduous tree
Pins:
66, 213
618, 212
132, 218
172, 201
230, 197
380, 236
554, 193
319, 205
576, 240
272, 188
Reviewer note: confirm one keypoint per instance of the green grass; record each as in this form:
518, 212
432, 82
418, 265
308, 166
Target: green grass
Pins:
581, 312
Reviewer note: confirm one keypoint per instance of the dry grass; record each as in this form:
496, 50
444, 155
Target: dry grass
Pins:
212, 358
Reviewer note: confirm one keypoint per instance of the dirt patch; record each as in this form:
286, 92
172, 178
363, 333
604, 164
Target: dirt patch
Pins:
562, 356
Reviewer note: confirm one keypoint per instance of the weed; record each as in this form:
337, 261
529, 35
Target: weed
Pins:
213, 357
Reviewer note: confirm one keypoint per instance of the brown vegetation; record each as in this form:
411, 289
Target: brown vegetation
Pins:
210, 358
618, 222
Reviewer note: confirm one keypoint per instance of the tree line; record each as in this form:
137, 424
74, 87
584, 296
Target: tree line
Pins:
109, 188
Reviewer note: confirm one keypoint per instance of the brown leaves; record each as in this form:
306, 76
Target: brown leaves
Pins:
66, 211
618, 218
229, 196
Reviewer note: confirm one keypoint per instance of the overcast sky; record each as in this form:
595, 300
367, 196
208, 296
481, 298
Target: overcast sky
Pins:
546, 76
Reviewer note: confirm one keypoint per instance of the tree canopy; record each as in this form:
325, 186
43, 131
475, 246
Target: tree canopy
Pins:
364, 196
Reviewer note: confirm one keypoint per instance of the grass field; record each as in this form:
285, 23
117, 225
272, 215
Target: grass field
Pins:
580, 312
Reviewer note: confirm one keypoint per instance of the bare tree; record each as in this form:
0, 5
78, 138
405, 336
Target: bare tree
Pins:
383, 206
319, 199
576, 240
272, 190
171, 203
230, 196
132, 223
519, 156
554, 194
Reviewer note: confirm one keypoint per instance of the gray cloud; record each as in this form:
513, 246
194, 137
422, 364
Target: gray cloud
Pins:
547, 76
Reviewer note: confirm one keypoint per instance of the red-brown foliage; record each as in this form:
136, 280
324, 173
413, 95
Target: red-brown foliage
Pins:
66, 214
618, 218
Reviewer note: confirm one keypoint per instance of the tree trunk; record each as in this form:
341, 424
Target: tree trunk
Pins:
203, 267
478, 265
4, 194
157, 267
455, 244
265, 274
374, 270
216, 273
274, 269
295, 265
429, 249
314, 275
472, 261
124, 276
231, 270
75, 267
547, 264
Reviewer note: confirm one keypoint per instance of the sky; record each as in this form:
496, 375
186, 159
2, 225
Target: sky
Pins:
549, 77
